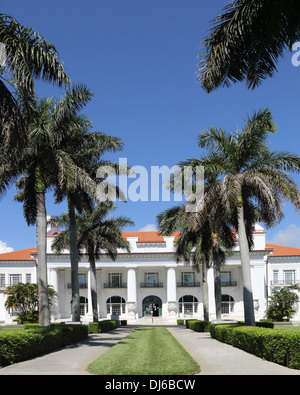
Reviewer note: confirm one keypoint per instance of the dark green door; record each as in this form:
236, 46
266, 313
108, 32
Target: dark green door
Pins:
152, 305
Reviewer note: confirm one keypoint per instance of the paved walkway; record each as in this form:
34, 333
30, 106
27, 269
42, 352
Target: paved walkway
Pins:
71, 360
214, 358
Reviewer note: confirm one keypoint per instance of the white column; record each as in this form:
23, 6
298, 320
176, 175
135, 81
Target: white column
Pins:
171, 292
131, 293
90, 309
54, 282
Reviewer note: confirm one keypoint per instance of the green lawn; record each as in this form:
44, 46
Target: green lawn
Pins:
145, 351
10, 328
288, 327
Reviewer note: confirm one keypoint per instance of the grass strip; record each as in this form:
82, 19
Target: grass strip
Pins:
146, 351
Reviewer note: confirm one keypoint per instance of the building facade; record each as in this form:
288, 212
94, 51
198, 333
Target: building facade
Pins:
147, 282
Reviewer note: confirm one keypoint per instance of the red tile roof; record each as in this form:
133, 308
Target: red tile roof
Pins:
146, 237
21, 255
149, 237
283, 250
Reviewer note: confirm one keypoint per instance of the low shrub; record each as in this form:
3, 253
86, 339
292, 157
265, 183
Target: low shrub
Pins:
32, 341
123, 322
102, 326
279, 346
180, 322
262, 324
187, 323
199, 326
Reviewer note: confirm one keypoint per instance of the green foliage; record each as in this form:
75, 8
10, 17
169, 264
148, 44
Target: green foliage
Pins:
25, 299
279, 346
102, 326
246, 41
282, 304
199, 326
24, 344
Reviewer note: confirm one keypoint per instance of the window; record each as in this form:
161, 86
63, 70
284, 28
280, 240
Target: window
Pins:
115, 280
15, 279
225, 278
188, 305
83, 305
227, 304
82, 280
28, 278
187, 278
2, 280
289, 276
275, 276
115, 305
151, 278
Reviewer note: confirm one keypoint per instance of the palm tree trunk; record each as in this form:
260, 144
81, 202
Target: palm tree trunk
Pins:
41, 231
246, 272
93, 286
205, 292
217, 276
74, 261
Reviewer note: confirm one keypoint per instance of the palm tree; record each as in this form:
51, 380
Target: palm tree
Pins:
255, 179
28, 56
85, 150
203, 243
52, 131
97, 235
246, 42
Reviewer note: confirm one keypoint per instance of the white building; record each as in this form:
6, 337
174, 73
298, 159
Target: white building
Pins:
148, 281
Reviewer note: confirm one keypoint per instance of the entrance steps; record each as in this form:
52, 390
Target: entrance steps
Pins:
148, 321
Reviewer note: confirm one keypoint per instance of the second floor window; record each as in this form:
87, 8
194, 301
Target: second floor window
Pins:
15, 279
289, 276
115, 279
82, 280
275, 276
2, 280
151, 278
225, 278
187, 278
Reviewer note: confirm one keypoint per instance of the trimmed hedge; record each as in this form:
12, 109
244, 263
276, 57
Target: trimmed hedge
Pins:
262, 324
23, 344
279, 346
199, 326
102, 326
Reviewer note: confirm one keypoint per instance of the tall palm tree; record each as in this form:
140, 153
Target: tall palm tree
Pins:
85, 150
246, 41
45, 163
254, 177
97, 235
28, 56
202, 243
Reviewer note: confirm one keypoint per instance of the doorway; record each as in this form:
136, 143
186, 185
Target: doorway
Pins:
152, 306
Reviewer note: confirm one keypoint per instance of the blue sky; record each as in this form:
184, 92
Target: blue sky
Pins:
139, 57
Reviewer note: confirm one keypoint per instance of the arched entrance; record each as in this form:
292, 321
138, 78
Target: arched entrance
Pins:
227, 304
152, 306
115, 305
188, 305
83, 305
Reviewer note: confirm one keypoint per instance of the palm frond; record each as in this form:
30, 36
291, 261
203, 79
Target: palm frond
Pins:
29, 56
246, 41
